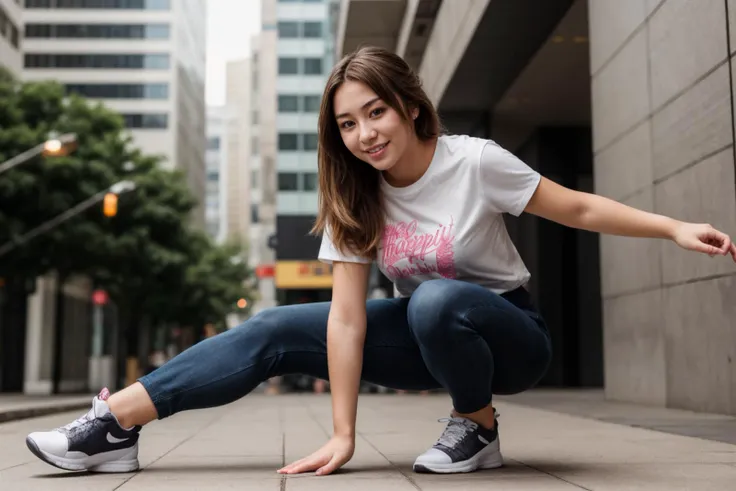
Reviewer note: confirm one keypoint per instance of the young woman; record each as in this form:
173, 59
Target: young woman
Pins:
427, 207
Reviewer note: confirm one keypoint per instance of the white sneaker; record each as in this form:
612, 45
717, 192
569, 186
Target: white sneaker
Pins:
464, 446
94, 442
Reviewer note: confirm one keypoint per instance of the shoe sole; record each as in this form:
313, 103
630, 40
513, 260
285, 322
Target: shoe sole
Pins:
114, 466
492, 461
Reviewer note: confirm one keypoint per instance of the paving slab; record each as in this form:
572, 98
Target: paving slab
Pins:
242, 445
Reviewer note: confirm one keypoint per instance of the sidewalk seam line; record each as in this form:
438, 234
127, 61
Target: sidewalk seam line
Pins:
550, 474
396, 468
408, 478
282, 485
213, 421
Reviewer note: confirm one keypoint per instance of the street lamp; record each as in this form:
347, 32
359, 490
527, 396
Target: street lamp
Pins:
53, 147
117, 188
122, 187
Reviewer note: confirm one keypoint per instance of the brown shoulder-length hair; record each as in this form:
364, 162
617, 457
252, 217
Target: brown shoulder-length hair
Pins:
350, 204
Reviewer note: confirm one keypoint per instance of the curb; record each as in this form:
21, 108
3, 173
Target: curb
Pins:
35, 412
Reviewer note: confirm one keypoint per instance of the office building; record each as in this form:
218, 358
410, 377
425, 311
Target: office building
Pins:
220, 122
11, 32
304, 56
142, 58
252, 87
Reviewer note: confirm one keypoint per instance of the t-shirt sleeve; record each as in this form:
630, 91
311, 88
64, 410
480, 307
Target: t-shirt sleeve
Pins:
507, 183
328, 253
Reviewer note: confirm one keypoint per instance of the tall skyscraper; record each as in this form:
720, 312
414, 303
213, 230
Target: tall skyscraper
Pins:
220, 121
305, 55
250, 95
11, 31
143, 58
238, 82
262, 165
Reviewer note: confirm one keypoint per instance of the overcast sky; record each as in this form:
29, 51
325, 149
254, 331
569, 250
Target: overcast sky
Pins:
230, 24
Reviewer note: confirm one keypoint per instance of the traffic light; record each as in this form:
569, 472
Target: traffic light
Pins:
110, 205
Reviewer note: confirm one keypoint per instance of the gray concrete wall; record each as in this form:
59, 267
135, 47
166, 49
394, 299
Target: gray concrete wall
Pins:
662, 99
453, 29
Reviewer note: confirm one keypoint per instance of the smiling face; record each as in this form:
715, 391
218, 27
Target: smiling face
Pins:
371, 129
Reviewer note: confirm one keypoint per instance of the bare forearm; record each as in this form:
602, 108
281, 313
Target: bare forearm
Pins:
603, 215
598, 214
345, 362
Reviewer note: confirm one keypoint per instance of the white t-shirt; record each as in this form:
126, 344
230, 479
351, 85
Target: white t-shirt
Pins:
449, 223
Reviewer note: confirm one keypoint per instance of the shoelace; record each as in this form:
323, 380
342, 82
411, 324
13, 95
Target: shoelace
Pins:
80, 420
455, 431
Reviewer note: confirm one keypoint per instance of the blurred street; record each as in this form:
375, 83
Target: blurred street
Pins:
241, 446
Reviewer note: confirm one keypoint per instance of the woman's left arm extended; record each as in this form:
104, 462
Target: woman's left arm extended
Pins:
598, 214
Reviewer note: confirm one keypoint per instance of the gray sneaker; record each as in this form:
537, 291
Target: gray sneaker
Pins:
94, 442
464, 446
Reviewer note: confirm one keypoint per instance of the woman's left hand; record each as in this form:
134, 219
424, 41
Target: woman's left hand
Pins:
702, 237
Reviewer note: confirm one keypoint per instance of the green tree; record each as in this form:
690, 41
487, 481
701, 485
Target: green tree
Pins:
44, 187
218, 276
146, 256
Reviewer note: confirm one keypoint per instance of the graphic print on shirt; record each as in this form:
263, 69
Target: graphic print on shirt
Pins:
409, 252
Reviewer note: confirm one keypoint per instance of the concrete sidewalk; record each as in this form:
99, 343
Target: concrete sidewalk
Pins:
241, 446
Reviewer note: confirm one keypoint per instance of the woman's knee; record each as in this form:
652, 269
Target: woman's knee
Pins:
436, 305
286, 324
261, 328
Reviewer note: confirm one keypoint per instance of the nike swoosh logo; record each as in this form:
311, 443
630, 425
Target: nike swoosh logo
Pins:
112, 439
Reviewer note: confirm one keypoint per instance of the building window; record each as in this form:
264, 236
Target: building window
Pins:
254, 179
288, 30
310, 181
292, 66
312, 29
254, 117
146, 121
310, 141
254, 218
294, 141
100, 4
213, 177
254, 150
288, 141
103, 61
120, 91
288, 66
288, 181
288, 104
213, 143
98, 31
312, 103
157, 4
312, 66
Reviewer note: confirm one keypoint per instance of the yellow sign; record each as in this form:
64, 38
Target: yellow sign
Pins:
303, 274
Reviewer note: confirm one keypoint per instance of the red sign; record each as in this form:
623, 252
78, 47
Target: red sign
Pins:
99, 297
265, 271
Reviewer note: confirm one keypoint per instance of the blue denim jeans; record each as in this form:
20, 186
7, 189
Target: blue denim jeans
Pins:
449, 334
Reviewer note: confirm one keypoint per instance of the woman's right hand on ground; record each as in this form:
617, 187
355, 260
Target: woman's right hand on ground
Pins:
326, 460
